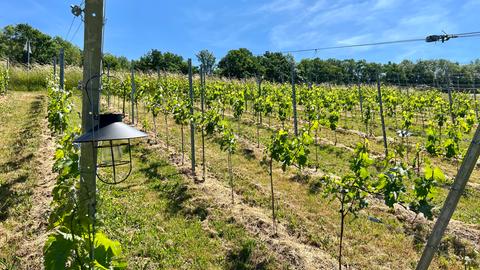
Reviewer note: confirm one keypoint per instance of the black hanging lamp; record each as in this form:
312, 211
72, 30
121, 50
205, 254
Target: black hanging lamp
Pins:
111, 138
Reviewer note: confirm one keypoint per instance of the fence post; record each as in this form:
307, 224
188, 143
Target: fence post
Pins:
202, 101
259, 83
384, 133
108, 82
54, 62
192, 123
62, 68
360, 97
294, 101
8, 70
132, 96
475, 97
450, 100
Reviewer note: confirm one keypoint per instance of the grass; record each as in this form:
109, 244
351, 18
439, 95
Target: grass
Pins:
335, 160
313, 218
36, 78
161, 222
20, 115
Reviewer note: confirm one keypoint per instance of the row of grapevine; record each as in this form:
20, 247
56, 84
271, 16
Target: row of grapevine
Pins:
4, 80
74, 242
396, 178
420, 114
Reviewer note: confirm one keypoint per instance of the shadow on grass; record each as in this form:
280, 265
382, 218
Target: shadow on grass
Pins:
9, 196
165, 179
248, 154
14, 165
159, 170
243, 257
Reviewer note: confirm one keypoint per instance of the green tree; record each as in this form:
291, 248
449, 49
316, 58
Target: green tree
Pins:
73, 54
207, 59
239, 64
276, 66
155, 59
116, 62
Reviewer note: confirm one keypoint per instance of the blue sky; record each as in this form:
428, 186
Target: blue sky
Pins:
186, 26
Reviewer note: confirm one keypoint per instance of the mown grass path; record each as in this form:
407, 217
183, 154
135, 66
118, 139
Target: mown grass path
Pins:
26, 180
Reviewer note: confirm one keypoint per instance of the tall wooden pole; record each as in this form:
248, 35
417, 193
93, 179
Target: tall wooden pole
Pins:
456, 191
93, 35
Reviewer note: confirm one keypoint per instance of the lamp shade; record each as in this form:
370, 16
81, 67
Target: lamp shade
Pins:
110, 128
111, 139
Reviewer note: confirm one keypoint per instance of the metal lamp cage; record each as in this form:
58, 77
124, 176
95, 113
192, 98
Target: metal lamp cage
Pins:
111, 139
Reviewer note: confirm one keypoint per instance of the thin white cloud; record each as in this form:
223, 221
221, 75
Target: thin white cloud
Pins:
355, 39
280, 6
338, 14
384, 4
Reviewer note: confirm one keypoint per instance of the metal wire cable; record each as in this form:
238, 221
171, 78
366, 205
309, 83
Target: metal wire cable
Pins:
460, 35
76, 31
70, 28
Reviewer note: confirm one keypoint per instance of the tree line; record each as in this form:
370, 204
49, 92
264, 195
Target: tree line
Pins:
242, 63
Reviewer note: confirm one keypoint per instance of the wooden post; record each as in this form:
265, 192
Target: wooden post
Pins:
93, 35
62, 68
202, 101
294, 101
28, 54
192, 123
259, 82
8, 70
450, 100
108, 82
385, 145
54, 62
456, 191
132, 96
360, 97
475, 97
